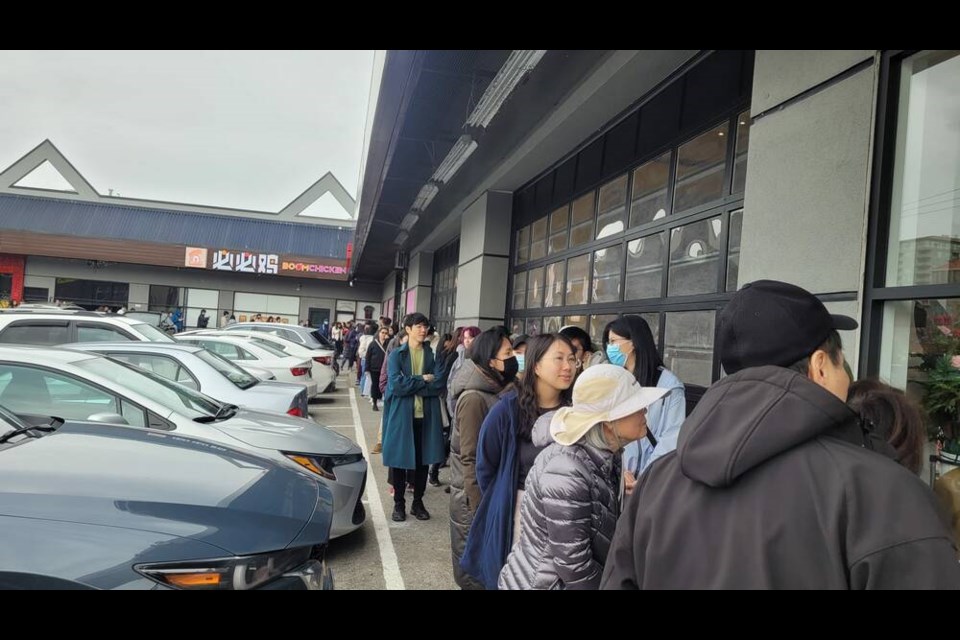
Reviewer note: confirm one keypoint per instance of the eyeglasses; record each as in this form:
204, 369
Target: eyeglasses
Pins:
618, 341
571, 360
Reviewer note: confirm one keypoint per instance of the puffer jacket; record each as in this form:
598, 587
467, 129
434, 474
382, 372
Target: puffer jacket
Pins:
567, 518
475, 394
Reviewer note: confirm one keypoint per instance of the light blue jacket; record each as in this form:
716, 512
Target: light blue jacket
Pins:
664, 418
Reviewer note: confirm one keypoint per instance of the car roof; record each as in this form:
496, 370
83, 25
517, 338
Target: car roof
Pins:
44, 354
129, 345
53, 314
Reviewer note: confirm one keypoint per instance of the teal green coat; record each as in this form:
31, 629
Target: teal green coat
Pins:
402, 386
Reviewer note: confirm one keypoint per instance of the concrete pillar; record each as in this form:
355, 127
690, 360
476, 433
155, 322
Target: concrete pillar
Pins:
484, 261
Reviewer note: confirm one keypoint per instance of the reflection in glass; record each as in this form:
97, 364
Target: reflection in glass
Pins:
578, 276
532, 327
688, 346
558, 229
700, 168
694, 258
733, 252
523, 245
740, 157
535, 288
551, 324
925, 202
606, 273
519, 289
576, 321
538, 239
611, 208
581, 225
554, 284
645, 267
597, 325
649, 200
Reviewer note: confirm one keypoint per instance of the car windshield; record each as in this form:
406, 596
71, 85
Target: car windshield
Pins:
165, 392
151, 333
230, 371
316, 335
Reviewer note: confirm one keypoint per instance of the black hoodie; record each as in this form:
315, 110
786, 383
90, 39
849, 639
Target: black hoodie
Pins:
774, 485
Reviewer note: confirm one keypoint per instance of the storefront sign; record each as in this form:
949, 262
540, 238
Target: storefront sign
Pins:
245, 262
195, 257
312, 267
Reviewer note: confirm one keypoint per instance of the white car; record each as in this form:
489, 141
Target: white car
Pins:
323, 372
50, 327
287, 368
210, 373
37, 382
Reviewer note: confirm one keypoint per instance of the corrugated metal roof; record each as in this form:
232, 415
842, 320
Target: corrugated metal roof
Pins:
94, 220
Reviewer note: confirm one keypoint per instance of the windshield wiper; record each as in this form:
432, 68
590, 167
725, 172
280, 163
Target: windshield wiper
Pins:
226, 411
16, 432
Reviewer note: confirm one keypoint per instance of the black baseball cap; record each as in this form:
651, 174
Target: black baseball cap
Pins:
773, 323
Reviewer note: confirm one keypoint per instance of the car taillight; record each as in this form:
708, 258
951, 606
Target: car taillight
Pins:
299, 371
327, 360
295, 411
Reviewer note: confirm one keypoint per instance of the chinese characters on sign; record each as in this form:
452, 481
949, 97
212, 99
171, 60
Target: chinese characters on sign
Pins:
245, 262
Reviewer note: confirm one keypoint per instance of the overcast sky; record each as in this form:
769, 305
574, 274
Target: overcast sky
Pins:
239, 129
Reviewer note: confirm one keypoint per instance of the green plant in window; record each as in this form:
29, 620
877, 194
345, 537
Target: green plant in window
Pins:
942, 401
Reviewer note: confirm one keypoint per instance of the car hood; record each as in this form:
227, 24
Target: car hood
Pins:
154, 481
285, 433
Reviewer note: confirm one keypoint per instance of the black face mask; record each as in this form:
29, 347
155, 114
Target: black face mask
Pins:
510, 369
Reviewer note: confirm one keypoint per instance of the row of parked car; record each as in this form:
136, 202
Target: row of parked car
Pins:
167, 463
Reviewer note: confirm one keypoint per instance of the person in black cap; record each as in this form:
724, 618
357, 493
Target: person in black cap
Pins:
774, 483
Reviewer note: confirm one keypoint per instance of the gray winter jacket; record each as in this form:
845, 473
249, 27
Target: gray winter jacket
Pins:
474, 395
567, 518
774, 485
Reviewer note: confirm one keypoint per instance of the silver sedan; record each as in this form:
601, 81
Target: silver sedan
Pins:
197, 368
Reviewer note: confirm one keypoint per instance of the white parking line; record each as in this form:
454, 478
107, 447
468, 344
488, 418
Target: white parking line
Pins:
388, 555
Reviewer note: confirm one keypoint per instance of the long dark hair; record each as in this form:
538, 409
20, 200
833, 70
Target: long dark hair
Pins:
484, 349
528, 406
647, 363
895, 417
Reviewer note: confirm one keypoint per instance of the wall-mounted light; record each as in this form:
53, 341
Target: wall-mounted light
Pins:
401, 238
426, 196
462, 149
409, 220
518, 65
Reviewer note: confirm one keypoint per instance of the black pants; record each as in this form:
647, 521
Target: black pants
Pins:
400, 477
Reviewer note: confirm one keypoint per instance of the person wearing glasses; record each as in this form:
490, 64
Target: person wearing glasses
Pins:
506, 452
628, 343
583, 347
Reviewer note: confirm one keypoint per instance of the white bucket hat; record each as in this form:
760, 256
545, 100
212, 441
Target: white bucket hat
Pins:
602, 393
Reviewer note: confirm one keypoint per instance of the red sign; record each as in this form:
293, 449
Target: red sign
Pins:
349, 254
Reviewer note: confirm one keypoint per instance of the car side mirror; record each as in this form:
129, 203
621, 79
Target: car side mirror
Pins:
108, 418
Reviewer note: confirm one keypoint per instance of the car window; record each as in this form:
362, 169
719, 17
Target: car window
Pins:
228, 351
232, 372
273, 350
100, 333
133, 413
36, 333
291, 335
151, 333
261, 342
163, 366
38, 391
246, 355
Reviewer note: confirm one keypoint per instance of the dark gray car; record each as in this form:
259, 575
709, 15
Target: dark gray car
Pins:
90, 506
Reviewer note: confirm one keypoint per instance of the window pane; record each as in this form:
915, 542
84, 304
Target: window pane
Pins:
163, 298
532, 327
92, 333
612, 207
694, 258
645, 267
535, 288
554, 284
925, 202
700, 165
733, 253
653, 319
581, 225
27, 390
516, 326
523, 245
36, 334
606, 273
519, 290
649, 201
597, 325
688, 346
576, 321
577, 280
133, 414
740, 157
558, 229
538, 239
551, 324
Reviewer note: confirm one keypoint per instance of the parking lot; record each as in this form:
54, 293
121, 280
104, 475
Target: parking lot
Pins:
383, 554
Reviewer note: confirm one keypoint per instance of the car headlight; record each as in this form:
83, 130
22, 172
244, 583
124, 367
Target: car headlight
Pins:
324, 466
226, 574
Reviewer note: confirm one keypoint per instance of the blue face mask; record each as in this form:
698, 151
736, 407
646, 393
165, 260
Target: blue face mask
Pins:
519, 357
615, 356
